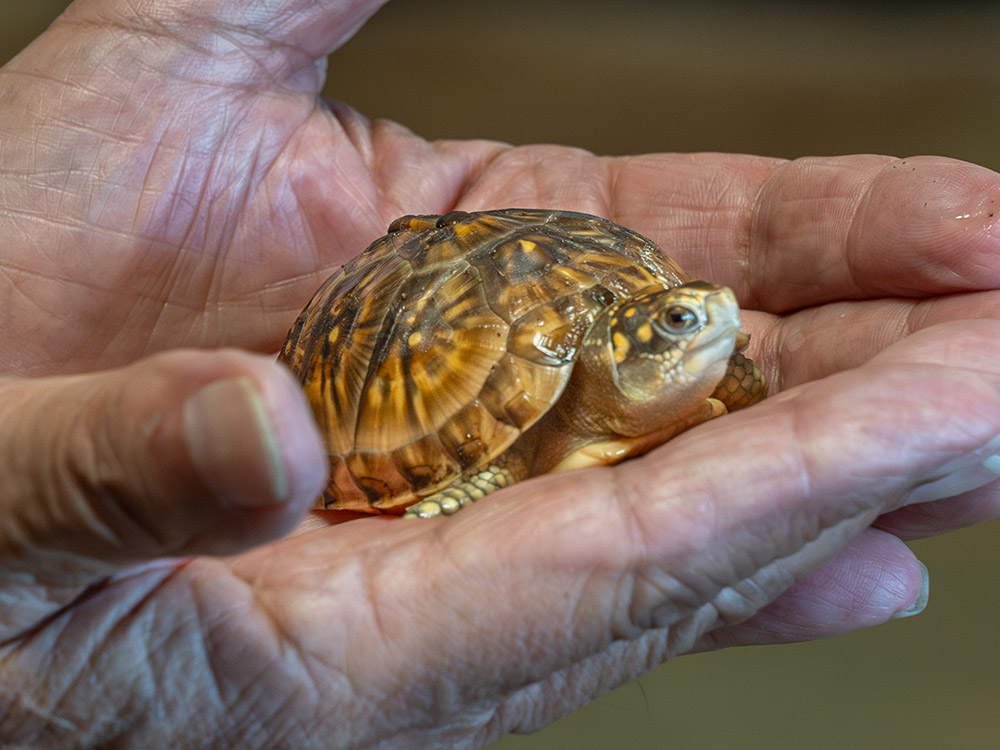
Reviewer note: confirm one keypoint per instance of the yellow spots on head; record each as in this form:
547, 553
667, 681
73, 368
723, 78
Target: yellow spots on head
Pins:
621, 346
644, 333
630, 313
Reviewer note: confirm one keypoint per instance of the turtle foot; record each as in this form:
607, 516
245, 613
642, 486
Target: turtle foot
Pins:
462, 493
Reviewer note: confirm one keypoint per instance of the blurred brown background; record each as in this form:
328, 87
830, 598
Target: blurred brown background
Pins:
783, 79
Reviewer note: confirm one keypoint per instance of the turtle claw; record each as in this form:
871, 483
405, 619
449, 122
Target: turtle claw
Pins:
427, 509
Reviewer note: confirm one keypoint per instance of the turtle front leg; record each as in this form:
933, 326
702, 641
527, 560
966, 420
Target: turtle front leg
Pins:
464, 492
615, 450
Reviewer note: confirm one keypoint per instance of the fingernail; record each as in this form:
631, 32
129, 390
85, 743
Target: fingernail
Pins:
232, 444
920, 603
967, 473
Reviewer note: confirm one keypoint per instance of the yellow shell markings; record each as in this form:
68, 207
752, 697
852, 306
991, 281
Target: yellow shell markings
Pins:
415, 390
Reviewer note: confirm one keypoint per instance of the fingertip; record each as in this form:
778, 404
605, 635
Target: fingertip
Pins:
253, 449
873, 580
233, 446
252, 441
297, 436
935, 222
919, 604
234, 460
867, 583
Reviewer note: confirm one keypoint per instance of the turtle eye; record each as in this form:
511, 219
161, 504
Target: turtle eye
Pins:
679, 319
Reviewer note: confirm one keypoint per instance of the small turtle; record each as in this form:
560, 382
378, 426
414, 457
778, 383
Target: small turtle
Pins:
462, 353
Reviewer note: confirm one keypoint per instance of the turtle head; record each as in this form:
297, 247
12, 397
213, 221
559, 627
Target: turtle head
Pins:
666, 341
666, 349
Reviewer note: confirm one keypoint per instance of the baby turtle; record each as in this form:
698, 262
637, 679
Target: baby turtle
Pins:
461, 353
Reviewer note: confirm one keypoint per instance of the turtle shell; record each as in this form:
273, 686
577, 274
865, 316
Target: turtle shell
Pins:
431, 352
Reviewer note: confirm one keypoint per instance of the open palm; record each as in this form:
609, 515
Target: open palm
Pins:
170, 181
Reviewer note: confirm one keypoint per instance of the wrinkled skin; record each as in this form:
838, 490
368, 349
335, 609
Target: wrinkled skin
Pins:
169, 180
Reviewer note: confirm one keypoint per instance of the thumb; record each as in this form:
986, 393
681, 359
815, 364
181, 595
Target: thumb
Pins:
181, 453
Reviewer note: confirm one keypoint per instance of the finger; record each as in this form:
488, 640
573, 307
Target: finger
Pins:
874, 579
862, 227
180, 454
819, 341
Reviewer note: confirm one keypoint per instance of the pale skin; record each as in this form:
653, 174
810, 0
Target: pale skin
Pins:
169, 180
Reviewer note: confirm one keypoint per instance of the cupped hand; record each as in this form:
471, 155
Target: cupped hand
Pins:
171, 193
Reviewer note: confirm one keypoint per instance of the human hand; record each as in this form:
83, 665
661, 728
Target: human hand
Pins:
169, 180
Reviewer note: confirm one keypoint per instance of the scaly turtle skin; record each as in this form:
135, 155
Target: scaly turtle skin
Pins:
464, 352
